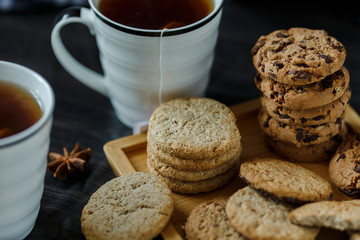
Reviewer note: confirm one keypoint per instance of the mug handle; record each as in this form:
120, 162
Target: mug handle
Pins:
83, 74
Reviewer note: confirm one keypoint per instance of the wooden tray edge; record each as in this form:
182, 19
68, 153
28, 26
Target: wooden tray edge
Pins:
121, 164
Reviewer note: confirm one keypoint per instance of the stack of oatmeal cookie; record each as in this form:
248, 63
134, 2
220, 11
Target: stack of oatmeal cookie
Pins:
193, 144
305, 90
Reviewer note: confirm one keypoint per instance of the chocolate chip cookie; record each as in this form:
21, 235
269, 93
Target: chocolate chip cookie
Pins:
311, 116
298, 56
344, 166
320, 152
312, 95
299, 134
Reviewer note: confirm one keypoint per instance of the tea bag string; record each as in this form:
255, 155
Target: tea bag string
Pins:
161, 65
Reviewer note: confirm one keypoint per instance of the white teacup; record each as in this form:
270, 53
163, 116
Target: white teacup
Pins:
23, 157
136, 76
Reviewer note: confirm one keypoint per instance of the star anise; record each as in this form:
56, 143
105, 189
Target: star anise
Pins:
64, 165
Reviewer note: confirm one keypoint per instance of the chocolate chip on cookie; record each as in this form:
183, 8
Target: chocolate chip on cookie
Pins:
320, 152
299, 135
311, 116
308, 96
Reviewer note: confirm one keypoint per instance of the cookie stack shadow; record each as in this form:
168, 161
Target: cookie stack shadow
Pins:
304, 92
193, 144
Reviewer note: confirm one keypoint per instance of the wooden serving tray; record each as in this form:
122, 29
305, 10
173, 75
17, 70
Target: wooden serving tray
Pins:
128, 154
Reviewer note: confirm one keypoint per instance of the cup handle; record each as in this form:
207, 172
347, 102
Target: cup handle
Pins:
83, 74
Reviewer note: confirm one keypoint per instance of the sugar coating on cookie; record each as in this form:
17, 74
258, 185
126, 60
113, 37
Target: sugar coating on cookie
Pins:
195, 128
132, 206
257, 217
298, 56
208, 221
344, 166
285, 180
340, 215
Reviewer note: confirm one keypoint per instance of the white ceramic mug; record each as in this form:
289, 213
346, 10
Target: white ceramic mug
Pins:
136, 76
23, 157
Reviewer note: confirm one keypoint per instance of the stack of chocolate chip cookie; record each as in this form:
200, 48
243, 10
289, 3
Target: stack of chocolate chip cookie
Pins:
194, 144
305, 90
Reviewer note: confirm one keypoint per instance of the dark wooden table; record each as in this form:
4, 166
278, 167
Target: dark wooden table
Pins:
83, 115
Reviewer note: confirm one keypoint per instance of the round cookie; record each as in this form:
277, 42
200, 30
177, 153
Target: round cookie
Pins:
192, 164
257, 217
193, 128
285, 180
311, 116
298, 56
186, 175
344, 215
299, 135
344, 166
194, 187
133, 206
320, 152
312, 95
208, 221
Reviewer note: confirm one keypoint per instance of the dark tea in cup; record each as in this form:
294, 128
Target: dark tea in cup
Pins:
18, 109
155, 14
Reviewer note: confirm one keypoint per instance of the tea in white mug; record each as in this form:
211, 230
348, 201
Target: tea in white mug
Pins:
18, 109
164, 51
155, 14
